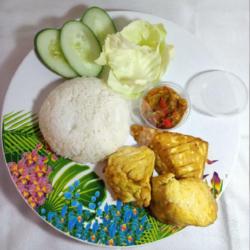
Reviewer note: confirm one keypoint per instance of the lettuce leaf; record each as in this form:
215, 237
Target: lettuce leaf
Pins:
137, 57
128, 91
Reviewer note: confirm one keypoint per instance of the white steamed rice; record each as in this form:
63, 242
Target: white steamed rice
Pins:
84, 120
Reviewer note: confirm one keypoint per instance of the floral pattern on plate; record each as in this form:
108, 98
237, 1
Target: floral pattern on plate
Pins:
71, 196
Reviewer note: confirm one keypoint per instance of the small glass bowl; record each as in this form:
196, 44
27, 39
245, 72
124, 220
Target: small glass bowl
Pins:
217, 93
180, 91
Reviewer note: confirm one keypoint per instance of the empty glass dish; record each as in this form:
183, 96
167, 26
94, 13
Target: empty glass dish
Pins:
217, 93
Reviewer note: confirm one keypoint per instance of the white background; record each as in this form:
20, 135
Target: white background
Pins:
222, 25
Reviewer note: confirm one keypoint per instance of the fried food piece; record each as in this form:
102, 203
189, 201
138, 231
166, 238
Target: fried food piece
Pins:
128, 173
183, 155
182, 202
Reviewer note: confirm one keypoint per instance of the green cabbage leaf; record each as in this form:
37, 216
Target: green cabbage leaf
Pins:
136, 57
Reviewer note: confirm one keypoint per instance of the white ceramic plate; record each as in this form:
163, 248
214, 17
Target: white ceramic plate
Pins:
31, 84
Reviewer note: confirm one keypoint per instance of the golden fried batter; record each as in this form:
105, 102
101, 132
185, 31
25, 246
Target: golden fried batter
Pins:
128, 173
182, 155
182, 202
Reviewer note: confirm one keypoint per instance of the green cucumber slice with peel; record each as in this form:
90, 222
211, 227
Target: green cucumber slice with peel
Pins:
81, 48
99, 22
48, 50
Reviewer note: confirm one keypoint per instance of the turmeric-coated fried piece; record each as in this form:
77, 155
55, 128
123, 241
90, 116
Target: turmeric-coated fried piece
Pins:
183, 155
128, 173
182, 202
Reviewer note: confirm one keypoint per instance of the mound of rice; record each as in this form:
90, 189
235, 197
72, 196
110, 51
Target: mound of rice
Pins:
84, 120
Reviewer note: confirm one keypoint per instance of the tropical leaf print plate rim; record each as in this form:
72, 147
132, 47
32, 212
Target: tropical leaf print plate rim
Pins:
69, 195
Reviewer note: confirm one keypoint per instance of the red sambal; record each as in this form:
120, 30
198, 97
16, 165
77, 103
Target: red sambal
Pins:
163, 107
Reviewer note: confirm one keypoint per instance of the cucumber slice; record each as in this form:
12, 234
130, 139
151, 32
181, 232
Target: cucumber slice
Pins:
99, 22
81, 48
48, 50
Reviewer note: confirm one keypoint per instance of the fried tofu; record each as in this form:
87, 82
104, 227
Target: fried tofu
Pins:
128, 173
183, 155
182, 202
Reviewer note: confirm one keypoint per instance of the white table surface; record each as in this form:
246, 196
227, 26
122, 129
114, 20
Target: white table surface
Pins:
222, 25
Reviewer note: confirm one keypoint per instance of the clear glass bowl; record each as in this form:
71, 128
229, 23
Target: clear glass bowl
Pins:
180, 91
217, 93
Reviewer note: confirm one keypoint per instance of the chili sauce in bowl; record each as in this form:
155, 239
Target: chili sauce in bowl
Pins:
165, 106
